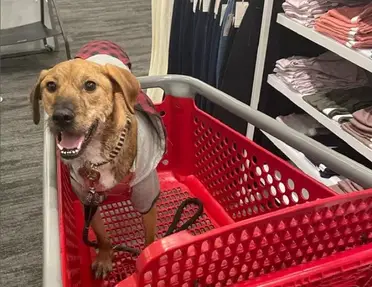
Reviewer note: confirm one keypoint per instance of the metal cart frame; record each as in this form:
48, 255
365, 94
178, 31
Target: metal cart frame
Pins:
185, 87
37, 31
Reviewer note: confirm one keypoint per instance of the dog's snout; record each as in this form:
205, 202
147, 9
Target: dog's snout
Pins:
63, 114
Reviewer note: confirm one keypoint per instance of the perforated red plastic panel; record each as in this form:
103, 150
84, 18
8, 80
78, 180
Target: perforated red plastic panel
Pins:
243, 177
236, 180
348, 269
69, 241
249, 249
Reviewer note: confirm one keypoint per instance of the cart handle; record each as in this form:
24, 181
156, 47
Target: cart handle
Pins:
51, 242
187, 87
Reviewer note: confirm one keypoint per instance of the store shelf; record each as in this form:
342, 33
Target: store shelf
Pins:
300, 160
26, 33
332, 125
34, 32
352, 55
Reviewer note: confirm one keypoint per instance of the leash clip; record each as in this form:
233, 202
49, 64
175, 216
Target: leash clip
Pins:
93, 197
91, 176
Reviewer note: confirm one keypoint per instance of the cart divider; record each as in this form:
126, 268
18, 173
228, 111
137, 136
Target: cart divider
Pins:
186, 87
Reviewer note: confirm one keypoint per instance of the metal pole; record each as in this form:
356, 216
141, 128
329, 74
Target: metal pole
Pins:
260, 60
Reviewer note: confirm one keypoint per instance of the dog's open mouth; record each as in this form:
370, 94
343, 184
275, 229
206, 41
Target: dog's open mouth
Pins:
71, 145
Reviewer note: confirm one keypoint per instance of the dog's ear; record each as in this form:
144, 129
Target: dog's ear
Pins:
125, 83
35, 97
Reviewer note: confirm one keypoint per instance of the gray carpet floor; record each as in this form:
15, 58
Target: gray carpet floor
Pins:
127, 23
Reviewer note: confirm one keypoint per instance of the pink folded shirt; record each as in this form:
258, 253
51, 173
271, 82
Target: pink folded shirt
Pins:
348, 43
363, 128
352, 14
364, 116
352, 29
350, 129
357, 42
351, 26
341, 35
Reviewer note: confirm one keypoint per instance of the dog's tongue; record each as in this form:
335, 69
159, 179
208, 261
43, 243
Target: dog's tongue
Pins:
70, 141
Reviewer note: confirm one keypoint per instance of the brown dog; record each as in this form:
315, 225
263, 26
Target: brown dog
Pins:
104, 123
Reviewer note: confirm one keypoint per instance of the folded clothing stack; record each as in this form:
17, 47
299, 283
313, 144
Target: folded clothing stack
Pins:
360, 126
304, 124
351, 26
306, 11
339, 105
321, 74
346, 186
350, 3
310, 127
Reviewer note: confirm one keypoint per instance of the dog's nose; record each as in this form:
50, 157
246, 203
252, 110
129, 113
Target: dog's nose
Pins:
63, 117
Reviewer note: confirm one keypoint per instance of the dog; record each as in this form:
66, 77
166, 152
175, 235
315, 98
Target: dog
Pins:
103, 122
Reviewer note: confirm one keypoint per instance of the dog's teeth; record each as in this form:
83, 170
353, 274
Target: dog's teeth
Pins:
60, 147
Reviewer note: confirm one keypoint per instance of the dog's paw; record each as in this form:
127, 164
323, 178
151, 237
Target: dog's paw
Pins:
102, 266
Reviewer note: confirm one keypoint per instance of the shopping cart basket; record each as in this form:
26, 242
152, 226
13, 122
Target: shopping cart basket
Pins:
262, 217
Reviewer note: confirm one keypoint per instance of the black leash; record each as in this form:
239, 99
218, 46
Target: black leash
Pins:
177, 217
90, 210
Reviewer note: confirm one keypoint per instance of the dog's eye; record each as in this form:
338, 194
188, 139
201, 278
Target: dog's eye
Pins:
90, 86
51, 87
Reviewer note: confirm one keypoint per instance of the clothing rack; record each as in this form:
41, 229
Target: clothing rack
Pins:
351, 55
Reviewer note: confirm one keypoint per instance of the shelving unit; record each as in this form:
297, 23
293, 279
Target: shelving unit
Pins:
330, 124
34, 32
358, 57
352, 55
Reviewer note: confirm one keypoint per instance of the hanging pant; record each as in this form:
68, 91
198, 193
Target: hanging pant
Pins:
237, 78
226, 37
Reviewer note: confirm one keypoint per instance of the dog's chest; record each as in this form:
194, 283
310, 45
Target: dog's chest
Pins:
93, 154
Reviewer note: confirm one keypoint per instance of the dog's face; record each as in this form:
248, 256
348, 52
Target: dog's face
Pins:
78, 95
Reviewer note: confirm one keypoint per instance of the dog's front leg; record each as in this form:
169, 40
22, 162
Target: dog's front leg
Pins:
103, 263
149, 222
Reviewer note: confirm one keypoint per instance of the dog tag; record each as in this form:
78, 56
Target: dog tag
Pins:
88, 171
90, 174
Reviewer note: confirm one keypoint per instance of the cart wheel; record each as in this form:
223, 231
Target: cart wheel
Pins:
48, 48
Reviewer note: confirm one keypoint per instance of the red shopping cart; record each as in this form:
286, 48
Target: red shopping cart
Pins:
265, 223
